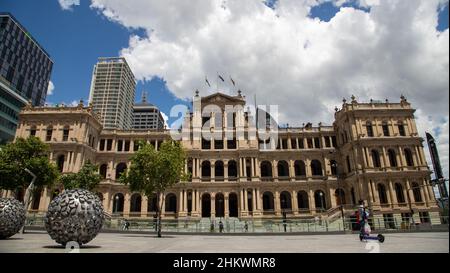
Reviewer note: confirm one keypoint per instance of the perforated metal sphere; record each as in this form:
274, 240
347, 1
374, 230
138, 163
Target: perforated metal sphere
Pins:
12, 217
75, 215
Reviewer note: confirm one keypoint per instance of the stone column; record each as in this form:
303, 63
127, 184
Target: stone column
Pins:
213, 205
311, 201
144, 206
180, 202
226, 204
294, 202
291, 170
241, 203
393, 195
275, 170
257, 167
105, 201
258, 200
185, 202
213, 171
225, 170
254, 200
277, 203
126, 205
245, 200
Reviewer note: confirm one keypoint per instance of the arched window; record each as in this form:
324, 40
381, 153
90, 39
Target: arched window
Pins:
416, 192
399, 193
66, 133
392, 158
232, 169
369, 129
382, 194
401, 128
283, 168
152, 203
266, 169
376, 158
409, 157
60, 163
118, 200
33, 130
302, 200
340, 197
319, 198
206, 169
218, 170
285, 200
385, 128
171, 203
299, 167
103, 170
49, 133
268, 201
135, 202
316, 167
333, 166
36, 200
120, 168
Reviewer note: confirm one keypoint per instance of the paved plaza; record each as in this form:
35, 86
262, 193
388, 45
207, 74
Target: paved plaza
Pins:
39, 241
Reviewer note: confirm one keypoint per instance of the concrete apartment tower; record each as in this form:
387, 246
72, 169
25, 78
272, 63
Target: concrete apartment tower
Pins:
112, 92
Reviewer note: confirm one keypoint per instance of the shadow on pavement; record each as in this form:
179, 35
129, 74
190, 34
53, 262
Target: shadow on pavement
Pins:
150, 236
63, 247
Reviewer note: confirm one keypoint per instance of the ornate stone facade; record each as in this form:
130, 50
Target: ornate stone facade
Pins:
372, 153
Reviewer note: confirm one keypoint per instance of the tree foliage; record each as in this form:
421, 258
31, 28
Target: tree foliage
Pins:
87, 178
152, 172
31, 154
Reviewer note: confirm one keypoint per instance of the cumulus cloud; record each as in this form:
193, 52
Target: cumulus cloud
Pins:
166, 119
68, 4
50, 88
287, 58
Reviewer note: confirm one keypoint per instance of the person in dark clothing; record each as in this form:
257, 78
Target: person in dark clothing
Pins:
220, 226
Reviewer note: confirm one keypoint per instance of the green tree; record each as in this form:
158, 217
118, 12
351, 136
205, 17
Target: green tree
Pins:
87, 178
152, 172
31, 154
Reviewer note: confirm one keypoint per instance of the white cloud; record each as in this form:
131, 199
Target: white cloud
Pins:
68, 4
304, 65
50, 88
166, 119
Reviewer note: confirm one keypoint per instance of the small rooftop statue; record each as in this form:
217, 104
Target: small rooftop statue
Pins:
196, 93
353, 99
344, 100
336, 109
239, 93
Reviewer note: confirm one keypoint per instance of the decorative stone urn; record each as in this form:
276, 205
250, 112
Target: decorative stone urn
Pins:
12, 217
74, 216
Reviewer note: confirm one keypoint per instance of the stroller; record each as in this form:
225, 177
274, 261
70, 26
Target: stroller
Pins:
365, 229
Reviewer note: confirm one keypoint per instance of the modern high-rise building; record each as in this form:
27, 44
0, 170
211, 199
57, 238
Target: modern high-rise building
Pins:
112, 92
25, 69
147, 115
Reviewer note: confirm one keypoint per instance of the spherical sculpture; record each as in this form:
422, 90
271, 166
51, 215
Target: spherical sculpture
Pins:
12, 217
75, 215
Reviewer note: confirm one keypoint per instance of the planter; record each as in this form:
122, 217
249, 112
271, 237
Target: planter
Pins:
12, 217
74, 216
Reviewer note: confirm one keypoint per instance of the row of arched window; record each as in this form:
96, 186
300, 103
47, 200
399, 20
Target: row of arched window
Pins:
49, 132
399, 193
266, 168
392, 157
385, 128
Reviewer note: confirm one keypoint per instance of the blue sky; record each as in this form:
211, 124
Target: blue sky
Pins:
76, 38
